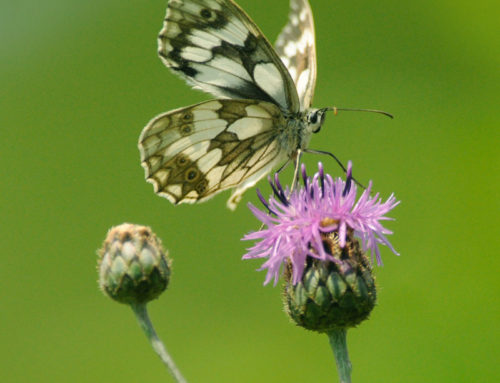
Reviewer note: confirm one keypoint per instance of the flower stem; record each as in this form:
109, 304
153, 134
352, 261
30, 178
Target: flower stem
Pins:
338, 342
142, 316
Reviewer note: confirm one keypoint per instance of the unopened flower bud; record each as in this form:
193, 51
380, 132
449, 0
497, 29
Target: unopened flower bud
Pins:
331, 294
133, 266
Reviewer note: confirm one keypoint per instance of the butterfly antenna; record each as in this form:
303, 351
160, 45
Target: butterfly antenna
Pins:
312, 151
335, 110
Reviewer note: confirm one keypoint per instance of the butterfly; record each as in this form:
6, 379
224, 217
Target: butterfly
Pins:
262, 116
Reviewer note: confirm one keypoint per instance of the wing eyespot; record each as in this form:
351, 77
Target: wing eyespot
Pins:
181, 160
213, 18
186, 130
206, 13
192, 174
201, 187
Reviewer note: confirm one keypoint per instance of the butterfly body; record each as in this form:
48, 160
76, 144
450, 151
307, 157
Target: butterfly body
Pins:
262, 116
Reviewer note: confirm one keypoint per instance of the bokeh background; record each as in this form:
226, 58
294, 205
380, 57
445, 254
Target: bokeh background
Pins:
79, 80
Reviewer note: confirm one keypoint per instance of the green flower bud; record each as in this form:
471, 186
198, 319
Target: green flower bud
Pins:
133, 266
332, 295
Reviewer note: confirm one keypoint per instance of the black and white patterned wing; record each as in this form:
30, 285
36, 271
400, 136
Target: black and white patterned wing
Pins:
191, 154
296, 47
217, 48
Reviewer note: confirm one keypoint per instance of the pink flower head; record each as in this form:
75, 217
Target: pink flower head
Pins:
294, 221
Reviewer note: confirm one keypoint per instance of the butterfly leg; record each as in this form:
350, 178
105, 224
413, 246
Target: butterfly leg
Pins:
298, 155
284, 166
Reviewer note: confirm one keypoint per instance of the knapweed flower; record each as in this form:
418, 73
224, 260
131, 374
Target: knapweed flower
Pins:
296, 222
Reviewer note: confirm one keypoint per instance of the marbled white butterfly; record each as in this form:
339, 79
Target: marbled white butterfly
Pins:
263, 116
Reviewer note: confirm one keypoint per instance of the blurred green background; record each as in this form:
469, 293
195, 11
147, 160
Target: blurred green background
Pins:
80, 79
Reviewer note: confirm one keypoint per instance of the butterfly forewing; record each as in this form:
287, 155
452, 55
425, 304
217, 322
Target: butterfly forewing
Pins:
217, 48
297, 49
192, 153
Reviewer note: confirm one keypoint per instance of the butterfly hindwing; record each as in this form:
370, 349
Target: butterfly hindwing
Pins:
217, 48
192, 153
297, 49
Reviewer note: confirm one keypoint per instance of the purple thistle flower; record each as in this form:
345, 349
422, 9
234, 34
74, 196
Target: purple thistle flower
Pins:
294, 225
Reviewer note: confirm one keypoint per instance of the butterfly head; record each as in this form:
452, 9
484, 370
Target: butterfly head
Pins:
315, 119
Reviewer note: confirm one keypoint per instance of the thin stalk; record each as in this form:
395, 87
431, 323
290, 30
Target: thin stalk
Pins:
338, 342
142, 316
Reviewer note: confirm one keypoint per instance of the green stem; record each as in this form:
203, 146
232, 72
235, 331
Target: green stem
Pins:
142, 316
338, 342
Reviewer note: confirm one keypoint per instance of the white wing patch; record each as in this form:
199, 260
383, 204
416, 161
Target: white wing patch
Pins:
248, 127
196, 54
267, 76
209, 160
226, 65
